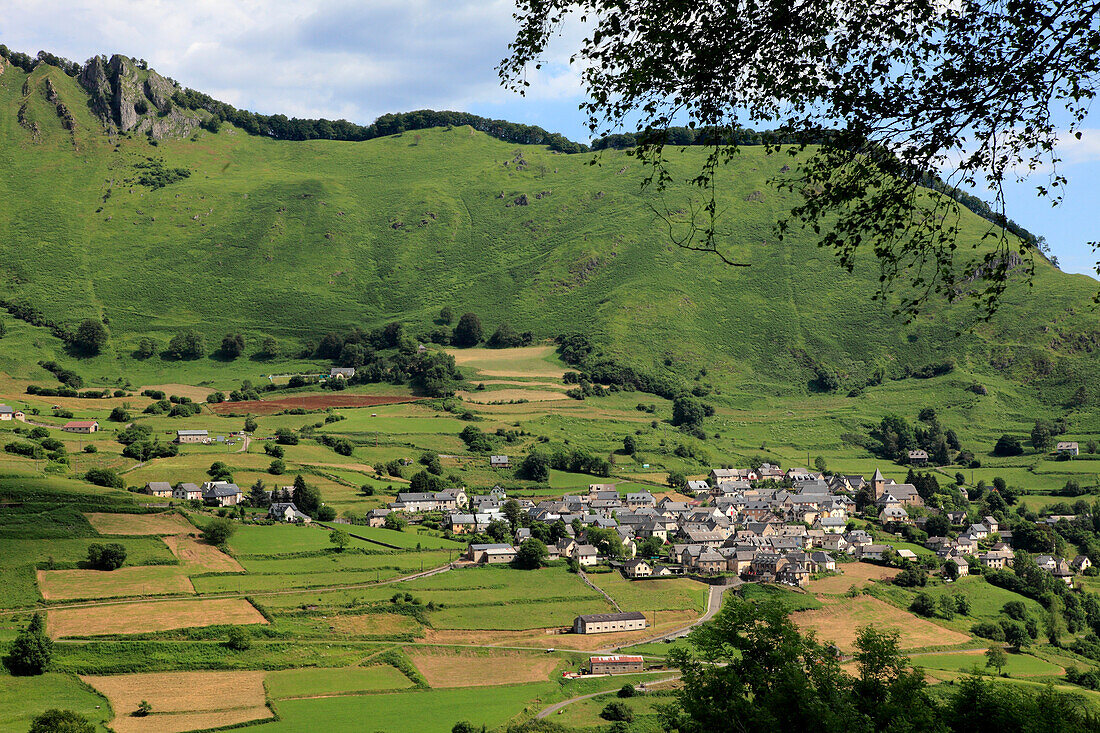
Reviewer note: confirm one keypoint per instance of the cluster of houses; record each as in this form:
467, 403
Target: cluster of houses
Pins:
732, 525
8, 413
214, 493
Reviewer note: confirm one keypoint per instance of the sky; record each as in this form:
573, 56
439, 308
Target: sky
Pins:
358, 59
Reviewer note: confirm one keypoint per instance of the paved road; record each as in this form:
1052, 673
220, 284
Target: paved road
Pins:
714, 605
546, 712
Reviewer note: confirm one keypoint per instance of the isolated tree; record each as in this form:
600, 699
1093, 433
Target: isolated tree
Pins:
468, 331
340, 538
250, 424
147, 347
61, 721
119, 414
996, 658
1042, 436
232, 345
32, 649
143, 709
535, 467
630, 445
218, 531
883, 89
1008, 445
90, 336
513, 512
219, 471
531, 554
277, 467
269, 348
688, 411
111, 556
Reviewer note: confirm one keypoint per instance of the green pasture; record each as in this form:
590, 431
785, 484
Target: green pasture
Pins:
22, 698
293, 683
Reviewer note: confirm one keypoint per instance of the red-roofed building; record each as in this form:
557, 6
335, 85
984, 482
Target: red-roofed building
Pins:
618, 664
80, 426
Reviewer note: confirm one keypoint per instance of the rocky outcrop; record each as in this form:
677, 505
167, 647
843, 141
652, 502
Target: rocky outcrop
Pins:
130, 98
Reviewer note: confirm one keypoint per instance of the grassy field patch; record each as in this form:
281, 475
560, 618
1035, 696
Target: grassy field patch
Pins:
22, 698
299, 683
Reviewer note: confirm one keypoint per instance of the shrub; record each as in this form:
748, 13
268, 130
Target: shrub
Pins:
923, 605
616, 710
238, 639
104, 477
988, 630
627, 691
1008, 445
218, 531
61, 721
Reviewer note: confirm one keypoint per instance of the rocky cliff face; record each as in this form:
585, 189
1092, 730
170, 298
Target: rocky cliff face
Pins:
129, 98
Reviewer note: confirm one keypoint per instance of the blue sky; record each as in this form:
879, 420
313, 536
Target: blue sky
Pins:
358, 59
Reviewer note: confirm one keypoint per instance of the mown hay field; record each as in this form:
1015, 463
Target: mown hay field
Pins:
183, 701
854, 573
151, 580
528, 361
841, 618
200, 557
150, 616
452, 668
135, 524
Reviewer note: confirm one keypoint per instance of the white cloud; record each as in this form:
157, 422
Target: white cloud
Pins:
316, 58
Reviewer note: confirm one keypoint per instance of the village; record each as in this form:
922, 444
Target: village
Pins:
769, 525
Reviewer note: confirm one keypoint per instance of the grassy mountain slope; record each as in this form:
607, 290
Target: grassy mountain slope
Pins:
292, 239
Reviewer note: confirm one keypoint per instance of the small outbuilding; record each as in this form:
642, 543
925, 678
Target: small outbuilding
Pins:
616, 664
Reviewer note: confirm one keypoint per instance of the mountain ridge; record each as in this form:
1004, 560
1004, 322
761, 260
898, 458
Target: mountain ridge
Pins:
293, 240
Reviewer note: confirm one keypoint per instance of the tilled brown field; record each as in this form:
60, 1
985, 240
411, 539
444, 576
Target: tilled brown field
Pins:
308, 402
183, 701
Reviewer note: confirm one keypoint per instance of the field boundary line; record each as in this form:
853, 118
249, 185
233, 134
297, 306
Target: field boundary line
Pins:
601, 591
